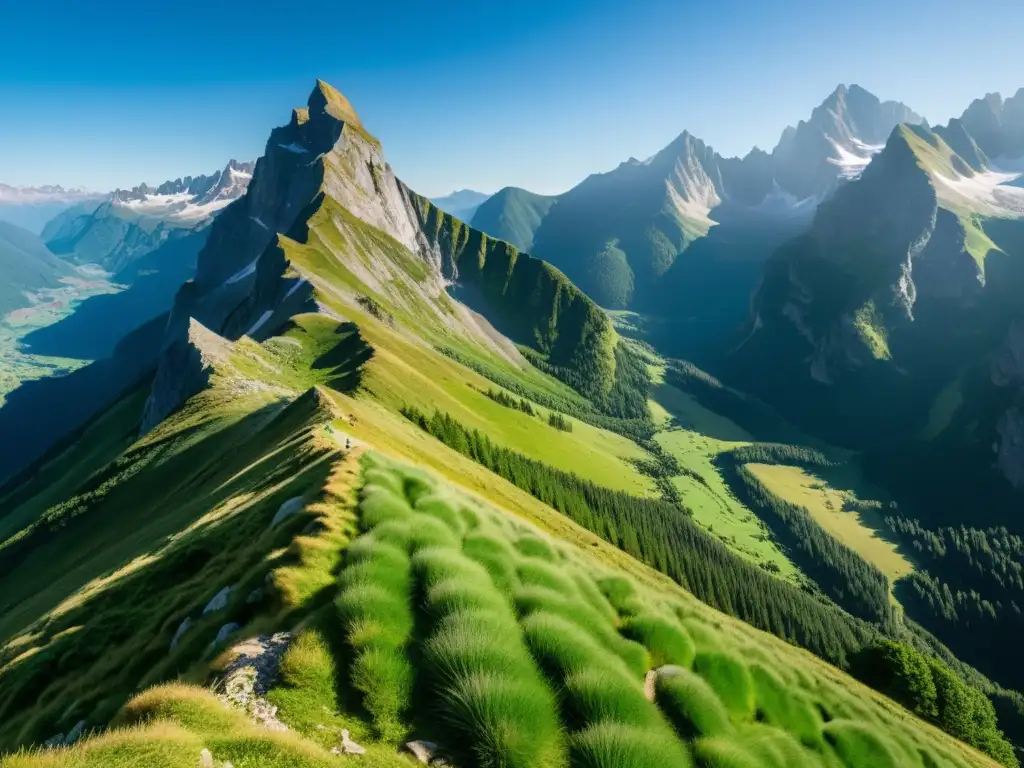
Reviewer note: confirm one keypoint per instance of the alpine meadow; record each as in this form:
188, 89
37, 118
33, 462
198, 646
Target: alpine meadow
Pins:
704, 462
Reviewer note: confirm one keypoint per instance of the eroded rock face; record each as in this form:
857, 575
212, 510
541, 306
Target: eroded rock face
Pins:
251, 674
186, 366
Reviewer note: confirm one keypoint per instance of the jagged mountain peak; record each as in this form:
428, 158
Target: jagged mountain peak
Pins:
326, 98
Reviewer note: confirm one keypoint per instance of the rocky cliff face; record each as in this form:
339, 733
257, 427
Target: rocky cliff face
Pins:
897, 291
1008, 373
326, 226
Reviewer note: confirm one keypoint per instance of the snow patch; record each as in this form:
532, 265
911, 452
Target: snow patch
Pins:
301, 282
990, 192
259, 323
243, 273
298, 149
853, 160
260, 222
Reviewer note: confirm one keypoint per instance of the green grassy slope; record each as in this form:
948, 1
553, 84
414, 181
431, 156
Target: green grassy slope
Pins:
449, 620
513, 215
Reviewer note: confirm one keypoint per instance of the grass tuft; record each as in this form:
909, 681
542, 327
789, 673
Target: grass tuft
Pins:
608, 744
691, 705
594, 695
664, 638
731, 682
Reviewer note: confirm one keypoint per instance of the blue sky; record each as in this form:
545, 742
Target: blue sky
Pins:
466, 93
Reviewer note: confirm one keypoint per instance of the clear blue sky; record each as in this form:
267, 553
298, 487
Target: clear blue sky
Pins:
466, 93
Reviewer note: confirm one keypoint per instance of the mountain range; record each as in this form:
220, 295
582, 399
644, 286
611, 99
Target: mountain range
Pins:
396, 484
624, 256
31, 208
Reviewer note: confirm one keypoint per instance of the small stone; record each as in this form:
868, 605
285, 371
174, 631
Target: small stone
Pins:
225, 631
649, 680
54, 741
288, 509
349, 747
219, 601
424, 751
182, 629
75, 733
205, 759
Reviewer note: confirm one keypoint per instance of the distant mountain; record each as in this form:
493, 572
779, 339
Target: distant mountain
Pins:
32, 207
908, 282
619, 234
997, 126
26, 266
513, 215
461, 204
132, 223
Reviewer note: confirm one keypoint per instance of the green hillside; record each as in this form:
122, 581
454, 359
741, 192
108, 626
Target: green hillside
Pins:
27, 267
393, 485
513, 215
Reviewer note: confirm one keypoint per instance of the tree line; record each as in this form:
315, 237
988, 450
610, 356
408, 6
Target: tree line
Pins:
663, 536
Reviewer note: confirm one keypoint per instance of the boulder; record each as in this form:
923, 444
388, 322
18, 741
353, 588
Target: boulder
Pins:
289, 509
219, 601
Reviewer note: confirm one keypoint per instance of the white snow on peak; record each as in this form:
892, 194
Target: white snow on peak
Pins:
298, 149
854, 159
243, 273
239, 174
779, 202
992, 193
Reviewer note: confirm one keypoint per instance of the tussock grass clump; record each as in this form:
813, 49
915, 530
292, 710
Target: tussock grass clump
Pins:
594, 695
306, 685
787, 709
440, 508
562, 647
535, 546
381, 506
664, 639
621, 593
384, 571
859, 746
374, 607
473, 640
704, 637
608, 744
594, 597
495, 708
373, 604
395, 532
190, 706
691, 705
774, 747
372, 547
427, 531
506, 722
496, 555
432, 565
384, 676
455, 595
379, 478
720, 752
533, 599
730, 679
539, 573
